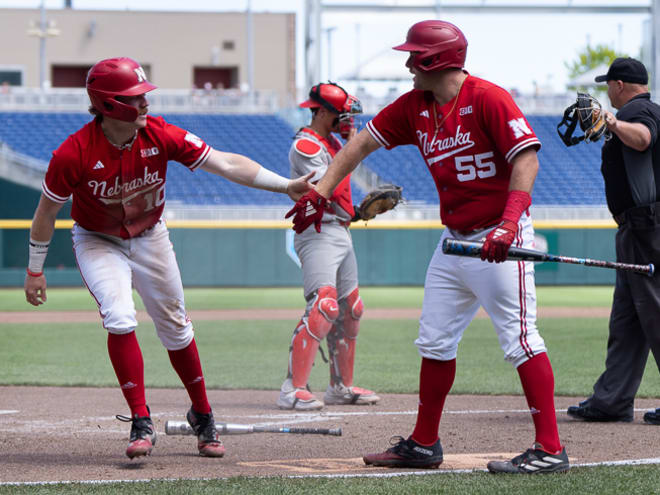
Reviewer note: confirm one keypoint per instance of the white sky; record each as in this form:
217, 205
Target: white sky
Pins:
512, 50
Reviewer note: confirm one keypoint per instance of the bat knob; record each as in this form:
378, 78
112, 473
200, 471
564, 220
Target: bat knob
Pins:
651, 269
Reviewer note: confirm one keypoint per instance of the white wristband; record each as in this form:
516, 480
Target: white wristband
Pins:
37, 255
265, 179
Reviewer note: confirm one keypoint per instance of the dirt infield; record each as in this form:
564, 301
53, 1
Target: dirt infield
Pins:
69, 434
79, 438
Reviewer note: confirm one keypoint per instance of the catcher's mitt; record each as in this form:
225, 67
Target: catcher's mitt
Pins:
384, 198
587, 112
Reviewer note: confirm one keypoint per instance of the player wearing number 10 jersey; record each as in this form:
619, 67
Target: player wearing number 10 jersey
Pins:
115, 167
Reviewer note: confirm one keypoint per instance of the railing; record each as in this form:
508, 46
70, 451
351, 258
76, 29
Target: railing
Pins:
229, 101
161, 101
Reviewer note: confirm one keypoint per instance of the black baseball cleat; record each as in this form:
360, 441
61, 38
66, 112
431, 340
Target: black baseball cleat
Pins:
652, 417
586, 412
533, 461
143, 435
208, 443
407, 454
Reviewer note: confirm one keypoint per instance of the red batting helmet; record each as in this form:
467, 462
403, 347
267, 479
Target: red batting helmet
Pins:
116, 77
334, 98
440, 45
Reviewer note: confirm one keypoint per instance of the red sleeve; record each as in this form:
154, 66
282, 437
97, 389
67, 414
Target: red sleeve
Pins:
393, 126
63, 174
183, 146
508, 127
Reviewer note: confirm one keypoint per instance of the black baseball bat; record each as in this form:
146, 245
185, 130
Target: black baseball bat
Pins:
183, 428
473, 250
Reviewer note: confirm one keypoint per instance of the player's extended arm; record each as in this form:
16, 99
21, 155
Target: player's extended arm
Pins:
41, 232
243, 170
525, 166
635, 135
309, 209
347, 160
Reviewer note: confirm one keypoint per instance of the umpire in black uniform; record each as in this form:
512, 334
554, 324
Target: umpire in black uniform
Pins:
631, 169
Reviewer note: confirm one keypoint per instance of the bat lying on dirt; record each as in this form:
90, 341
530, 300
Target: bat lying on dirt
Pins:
473, 249
183, 428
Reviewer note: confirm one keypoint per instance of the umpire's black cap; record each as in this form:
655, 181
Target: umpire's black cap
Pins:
626, 70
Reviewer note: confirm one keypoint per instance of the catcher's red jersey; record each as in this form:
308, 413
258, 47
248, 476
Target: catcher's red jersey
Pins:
119, 192
467, 145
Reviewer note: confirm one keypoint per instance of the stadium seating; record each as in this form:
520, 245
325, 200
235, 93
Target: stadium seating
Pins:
567, 176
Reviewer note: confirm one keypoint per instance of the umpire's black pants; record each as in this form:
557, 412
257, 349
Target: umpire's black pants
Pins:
635, 317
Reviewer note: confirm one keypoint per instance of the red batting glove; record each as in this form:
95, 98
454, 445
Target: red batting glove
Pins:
308, 210
498, 242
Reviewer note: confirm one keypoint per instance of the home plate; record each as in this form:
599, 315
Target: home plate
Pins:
450, 462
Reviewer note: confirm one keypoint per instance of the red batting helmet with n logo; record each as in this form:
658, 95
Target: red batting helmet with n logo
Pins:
116, 77
436, 45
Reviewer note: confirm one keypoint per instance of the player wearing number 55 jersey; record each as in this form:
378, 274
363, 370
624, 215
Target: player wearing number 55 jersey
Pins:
481, 153
115, 169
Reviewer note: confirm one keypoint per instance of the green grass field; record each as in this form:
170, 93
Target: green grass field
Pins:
35, 355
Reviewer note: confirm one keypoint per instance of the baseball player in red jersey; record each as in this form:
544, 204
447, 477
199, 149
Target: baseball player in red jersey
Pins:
330, 273
481, 153
115, 169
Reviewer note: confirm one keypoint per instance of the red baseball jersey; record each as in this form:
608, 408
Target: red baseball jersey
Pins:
115, 191
467, 145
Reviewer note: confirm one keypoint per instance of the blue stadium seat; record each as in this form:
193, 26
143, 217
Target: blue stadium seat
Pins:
569, 176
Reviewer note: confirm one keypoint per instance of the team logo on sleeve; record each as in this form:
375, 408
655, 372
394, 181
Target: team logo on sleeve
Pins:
519, 127
191, 138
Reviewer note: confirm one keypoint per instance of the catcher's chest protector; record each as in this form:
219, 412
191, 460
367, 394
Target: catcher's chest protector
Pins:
312, 153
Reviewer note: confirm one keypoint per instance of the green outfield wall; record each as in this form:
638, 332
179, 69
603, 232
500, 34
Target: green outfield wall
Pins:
260, 253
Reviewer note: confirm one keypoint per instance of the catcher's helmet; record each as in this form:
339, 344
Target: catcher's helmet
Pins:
334, 98
116, 77
438, 45
587, 112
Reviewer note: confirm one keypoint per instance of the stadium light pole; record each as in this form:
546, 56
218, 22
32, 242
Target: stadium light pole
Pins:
329, 32
250, 52
44, 30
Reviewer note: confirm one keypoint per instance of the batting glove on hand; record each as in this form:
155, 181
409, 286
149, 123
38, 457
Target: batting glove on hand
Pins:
499, 240
308, 210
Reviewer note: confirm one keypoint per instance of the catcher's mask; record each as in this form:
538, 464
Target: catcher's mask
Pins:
587, 112
333, 97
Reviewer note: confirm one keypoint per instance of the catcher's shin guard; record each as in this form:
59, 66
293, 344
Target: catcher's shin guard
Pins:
342, 340
308, 334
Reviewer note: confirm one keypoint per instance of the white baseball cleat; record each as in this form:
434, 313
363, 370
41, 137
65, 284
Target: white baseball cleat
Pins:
340, 394
299, 399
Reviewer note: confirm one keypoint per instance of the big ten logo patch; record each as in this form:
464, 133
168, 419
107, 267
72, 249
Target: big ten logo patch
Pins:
147, 152
465, 110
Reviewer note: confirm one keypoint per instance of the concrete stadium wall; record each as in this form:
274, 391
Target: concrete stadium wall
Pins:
170, 44
247, 256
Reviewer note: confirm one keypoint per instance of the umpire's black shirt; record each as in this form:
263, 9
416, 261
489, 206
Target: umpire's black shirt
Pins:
642, 110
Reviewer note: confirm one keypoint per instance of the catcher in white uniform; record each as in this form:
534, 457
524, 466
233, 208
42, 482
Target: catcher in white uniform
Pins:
330, 274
